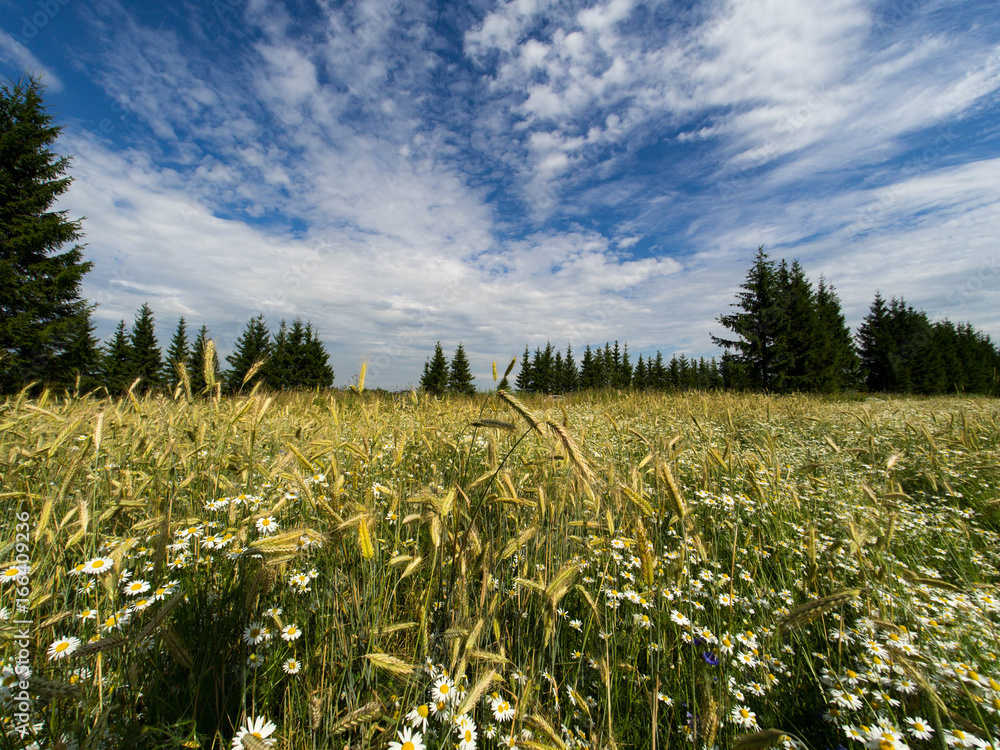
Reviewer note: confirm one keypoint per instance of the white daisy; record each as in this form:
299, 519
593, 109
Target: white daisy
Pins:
407, 739
63, 647
259, 727
291, 632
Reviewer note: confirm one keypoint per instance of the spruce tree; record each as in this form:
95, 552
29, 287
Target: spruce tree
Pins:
875, 347
639, 378
279, 372
177, 352
756, 324
798, 340
316, 369
145, 357
252, 346
624, 369
586, 379
571, 375
44, 323
116, 362
81, 359
460, 376
658, 372
836, 362
435, 378
525, 380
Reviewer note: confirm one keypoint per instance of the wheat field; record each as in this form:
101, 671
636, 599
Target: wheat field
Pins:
352, 570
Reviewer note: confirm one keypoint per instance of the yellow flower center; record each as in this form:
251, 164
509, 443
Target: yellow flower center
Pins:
423, 710
744, 713
408, 746
62, 647
468, 735
444, 689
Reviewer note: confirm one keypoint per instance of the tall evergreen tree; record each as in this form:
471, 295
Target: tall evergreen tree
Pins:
525, 380
875, 345
460, 375
624, 372
836, 361
797, 342
435, 378
639, 378
146, 359
279, 372
81, 358
116, 362
44, 324
588, 374
179, 351
252, 346
571, 374
756, 324
316, 369
658, 373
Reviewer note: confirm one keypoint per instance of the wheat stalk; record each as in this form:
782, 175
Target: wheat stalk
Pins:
761, 740
523, 410
810, 610
353, 719
582, 467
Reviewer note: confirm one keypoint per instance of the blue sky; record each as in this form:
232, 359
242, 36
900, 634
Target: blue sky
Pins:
502, 173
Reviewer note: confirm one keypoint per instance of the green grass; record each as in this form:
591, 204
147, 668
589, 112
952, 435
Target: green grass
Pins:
637, 579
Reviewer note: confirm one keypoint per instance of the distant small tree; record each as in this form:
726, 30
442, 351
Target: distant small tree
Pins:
177, 352
460, 377
435, 378
146, 359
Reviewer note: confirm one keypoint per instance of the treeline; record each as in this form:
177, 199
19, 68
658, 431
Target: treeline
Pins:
292, 358
901, 350
551, 371
791, 336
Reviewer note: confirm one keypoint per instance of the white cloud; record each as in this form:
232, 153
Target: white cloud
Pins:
16, 55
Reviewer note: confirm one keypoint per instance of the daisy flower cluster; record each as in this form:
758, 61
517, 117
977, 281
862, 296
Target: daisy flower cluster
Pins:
437, 719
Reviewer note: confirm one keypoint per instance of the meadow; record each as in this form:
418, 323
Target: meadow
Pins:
352, 570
